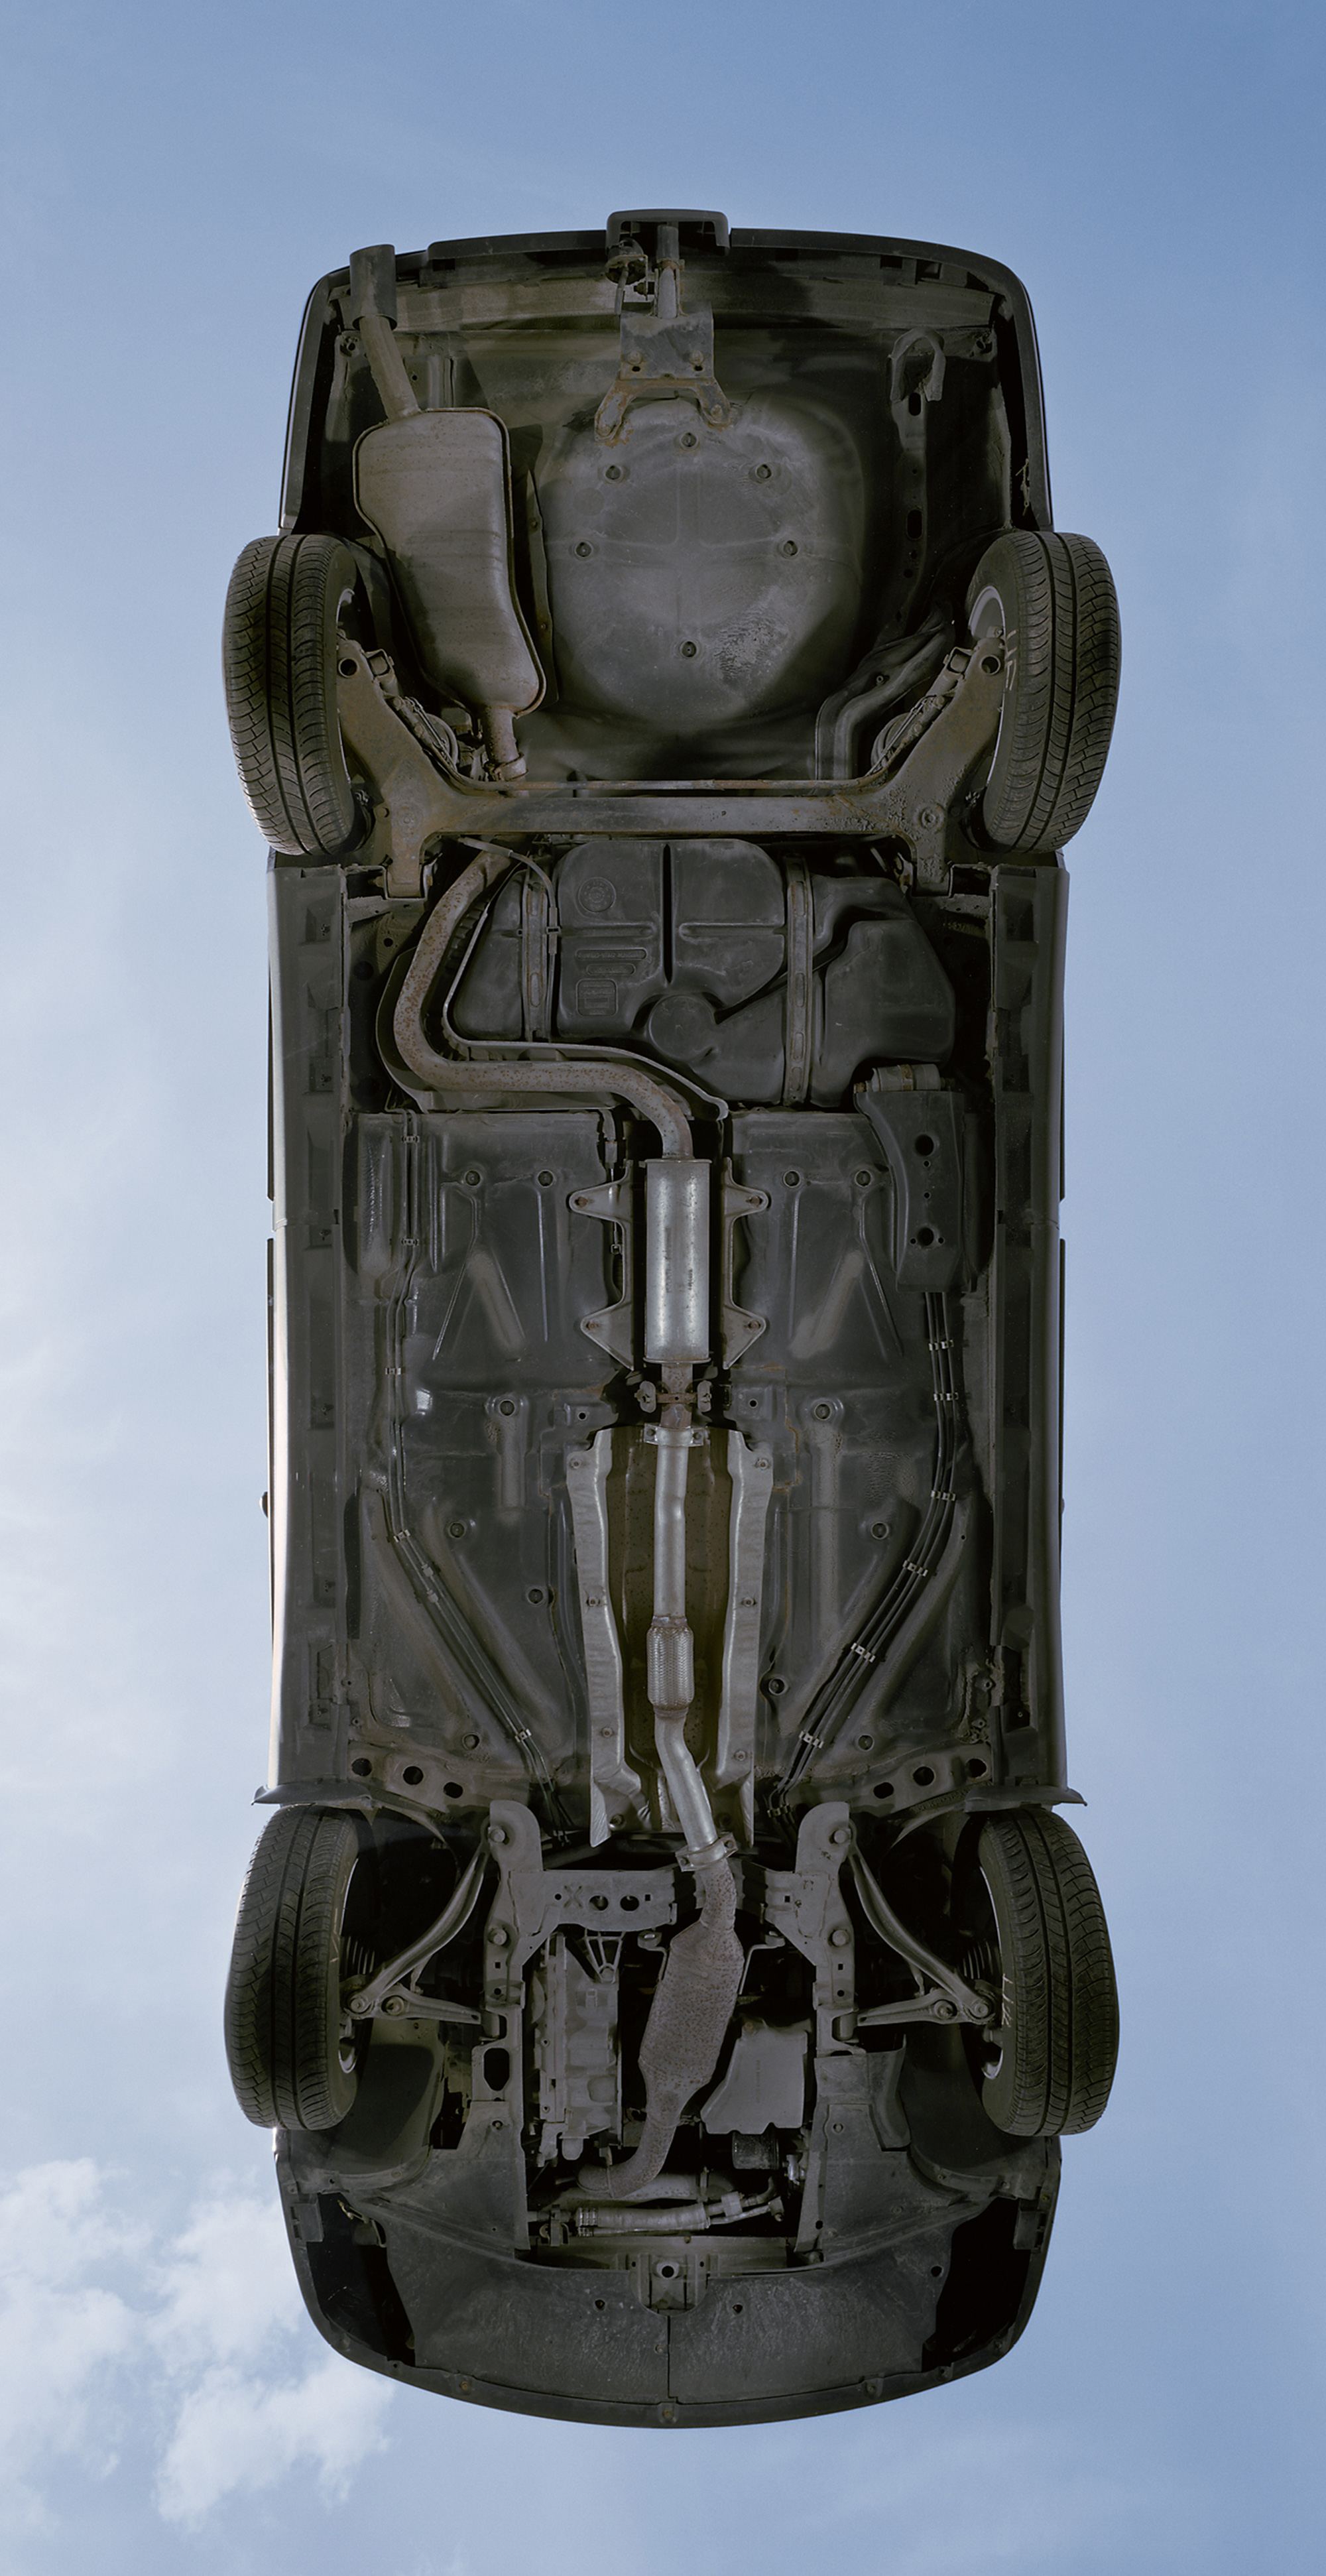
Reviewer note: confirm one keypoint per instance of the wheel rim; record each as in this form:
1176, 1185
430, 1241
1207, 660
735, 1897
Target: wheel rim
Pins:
983, 1964
326, 2088
355, 1965
990, 617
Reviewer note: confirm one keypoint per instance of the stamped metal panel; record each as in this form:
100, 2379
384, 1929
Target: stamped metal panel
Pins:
527, 2327
750, 1466
698, 576
307, 1552
839, 1382
774, 277
436, 487
1029, 923
801, 2334
612, 1781
471, 1379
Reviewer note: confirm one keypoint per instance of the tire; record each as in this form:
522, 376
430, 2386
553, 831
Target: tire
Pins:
1053, 598
293, 2062
287, 599
1040, 1932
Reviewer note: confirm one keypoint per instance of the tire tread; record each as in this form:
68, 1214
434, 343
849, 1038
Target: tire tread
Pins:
281, 2015
1061, 610
278, 636
1059, 1978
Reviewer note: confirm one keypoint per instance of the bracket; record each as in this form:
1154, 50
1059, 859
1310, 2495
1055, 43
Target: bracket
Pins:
612, 1782
391, 1990
376, 731
921, 1132
949, 1996
750, 1466
738, 1328
806, 1905
613, 1327
663, 354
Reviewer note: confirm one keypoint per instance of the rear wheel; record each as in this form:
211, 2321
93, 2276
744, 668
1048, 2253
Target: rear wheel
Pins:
1036, 1928
1053, 598
289, 600
294, 2055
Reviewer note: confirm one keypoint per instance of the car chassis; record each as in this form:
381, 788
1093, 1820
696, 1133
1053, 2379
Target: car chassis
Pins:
664, 1971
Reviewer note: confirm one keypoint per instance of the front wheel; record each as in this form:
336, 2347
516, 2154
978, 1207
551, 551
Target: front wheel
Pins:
1053, 599
293, 2051
1035, 1927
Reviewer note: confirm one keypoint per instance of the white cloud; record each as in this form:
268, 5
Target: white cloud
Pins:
196, 2334
59, 2332
235, 2434
226, 2285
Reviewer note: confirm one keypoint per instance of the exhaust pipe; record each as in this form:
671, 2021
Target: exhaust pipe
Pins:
701, 1977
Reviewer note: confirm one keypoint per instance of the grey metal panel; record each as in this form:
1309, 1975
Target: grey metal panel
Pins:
529, 2327
784, 2334
690, 588
307, 1417
436, 487
1030, 910
750, 1466
611, 1778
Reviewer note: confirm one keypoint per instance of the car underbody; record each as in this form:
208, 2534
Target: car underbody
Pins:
641, 1967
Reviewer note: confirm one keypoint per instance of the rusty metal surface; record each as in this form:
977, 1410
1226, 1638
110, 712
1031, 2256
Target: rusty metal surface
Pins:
665, 350
610, 1513
663, 355
915, 805
554, 1078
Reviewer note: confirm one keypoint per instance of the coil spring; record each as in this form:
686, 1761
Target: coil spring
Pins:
981, 1964
358, 1962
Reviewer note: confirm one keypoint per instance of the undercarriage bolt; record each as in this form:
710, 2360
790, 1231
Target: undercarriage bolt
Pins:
840, 1936
945, 2011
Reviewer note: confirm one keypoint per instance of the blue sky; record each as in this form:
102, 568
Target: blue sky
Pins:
172, 183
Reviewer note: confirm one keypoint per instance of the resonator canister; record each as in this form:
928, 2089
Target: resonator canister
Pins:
676, 1262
